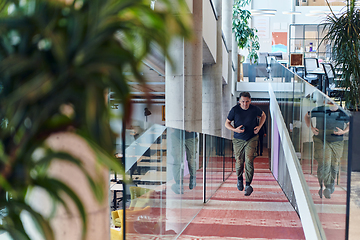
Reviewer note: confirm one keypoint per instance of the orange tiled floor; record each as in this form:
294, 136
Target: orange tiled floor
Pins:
266, 214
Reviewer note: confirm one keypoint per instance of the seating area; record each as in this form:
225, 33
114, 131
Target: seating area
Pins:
313, 73
333, 83
140, 207
319, 73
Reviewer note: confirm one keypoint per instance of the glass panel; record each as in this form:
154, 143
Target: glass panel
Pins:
318, 130
214, 165
228, 157
164, 192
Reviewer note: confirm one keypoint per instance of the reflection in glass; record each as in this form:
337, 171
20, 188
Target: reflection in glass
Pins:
328, 128
321, 150
164, 192
190, 144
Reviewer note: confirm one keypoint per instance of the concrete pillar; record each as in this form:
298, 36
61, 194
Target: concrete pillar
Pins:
235, 59
183, 81
212, 86
68, 225
227, 88
227, 104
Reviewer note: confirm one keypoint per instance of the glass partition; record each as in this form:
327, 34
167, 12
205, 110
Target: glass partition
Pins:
164, 170
229, 160
318, 128
218, 159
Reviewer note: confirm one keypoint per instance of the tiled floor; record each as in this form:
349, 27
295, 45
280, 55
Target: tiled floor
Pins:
266, 214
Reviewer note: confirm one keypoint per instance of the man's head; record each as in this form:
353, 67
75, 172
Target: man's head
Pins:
244, 100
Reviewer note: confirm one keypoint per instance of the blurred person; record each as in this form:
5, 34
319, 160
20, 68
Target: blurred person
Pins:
248, 120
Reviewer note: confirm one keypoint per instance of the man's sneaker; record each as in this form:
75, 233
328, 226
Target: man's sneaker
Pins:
240, 184
327, 193
192, 183
248, 190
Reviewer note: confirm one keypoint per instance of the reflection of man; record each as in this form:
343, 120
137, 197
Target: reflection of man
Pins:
328, 143
189, 140
245, 117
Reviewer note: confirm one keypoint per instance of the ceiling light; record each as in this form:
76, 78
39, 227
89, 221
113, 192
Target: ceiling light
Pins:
292, 12
319, 11
263, 14
264, 10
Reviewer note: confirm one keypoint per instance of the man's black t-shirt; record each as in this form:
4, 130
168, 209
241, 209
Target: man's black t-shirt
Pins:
247, 118
327, 121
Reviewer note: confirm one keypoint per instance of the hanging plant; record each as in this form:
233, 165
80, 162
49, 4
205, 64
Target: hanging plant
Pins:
244, 34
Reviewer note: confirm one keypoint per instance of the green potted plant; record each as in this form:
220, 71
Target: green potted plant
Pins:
245, 35
58, 59
343, 32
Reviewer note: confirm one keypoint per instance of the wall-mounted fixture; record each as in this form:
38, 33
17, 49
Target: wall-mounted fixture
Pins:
146, 113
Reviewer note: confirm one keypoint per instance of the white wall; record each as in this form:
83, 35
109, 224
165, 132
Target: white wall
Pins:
190, 5
209, 28
225, 63
277, 23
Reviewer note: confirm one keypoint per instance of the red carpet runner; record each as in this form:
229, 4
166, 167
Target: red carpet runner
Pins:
266, 214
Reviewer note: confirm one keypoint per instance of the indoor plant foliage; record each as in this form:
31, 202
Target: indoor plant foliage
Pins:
244, 34
343, 33
57, 61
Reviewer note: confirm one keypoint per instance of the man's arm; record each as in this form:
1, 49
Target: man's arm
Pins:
339, 131
262, 119
230, 127
261, 123
307, 119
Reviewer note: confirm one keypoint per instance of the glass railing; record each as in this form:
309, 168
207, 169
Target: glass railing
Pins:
166, 183
318, 130
218, 155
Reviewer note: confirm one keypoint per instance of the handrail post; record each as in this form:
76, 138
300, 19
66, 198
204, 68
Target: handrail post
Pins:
204, 168
123, 180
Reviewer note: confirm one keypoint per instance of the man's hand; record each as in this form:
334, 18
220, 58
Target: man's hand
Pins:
257, 129
240, 129
339, 131
315, 130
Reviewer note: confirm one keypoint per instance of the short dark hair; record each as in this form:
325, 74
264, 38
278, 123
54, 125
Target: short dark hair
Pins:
245, 94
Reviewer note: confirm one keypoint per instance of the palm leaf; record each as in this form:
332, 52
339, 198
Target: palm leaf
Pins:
53, 54
56, 188
343, 32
